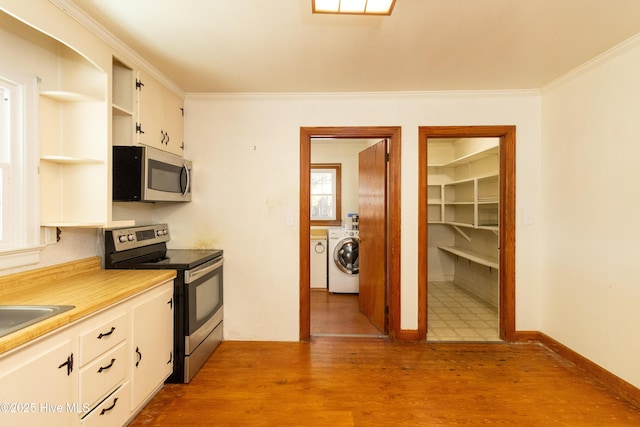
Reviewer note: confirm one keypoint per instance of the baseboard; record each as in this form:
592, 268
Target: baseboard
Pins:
614, 383
440, 278
408, 335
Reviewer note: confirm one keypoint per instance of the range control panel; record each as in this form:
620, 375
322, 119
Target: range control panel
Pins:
136, 237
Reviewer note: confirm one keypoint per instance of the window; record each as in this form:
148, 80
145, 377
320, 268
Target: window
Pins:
325, 194
19, 212
7, 108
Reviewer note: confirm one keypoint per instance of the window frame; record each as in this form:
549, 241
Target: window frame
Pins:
337, 167
21, 246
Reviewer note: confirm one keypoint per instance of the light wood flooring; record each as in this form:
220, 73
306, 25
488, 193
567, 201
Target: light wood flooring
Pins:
338, 314
347, 381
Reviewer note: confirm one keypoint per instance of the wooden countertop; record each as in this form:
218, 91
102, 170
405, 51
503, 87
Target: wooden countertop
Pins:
83, 284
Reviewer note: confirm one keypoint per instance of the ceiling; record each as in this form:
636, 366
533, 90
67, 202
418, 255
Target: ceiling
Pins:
225, 46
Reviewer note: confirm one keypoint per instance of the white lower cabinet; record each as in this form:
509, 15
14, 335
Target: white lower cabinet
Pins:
112, 411
97, 371
38, 385
152, 346
103, 375
112, 328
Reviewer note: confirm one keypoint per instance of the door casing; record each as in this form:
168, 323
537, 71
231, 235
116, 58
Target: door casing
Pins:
507, 135
392, 133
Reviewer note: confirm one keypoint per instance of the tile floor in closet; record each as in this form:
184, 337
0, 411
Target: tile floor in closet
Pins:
456, 315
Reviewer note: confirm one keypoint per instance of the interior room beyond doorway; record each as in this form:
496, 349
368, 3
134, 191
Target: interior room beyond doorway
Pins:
392, 214
466, 229
335, 296
339, 315
463, 220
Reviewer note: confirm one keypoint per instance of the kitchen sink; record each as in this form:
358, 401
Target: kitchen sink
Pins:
15, 317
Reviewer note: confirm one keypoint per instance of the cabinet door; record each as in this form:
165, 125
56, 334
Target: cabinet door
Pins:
159, 116
152, 343
38, 386
173, 123
150, 112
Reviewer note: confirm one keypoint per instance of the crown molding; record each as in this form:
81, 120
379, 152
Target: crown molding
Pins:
362, 95
605, 56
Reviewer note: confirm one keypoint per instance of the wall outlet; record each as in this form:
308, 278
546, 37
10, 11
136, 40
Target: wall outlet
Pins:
527, 215
50, 235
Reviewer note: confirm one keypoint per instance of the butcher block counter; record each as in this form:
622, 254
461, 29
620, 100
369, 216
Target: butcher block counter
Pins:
83, 284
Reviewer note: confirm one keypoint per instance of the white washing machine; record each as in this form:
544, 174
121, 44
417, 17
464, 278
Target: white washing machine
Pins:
344, 264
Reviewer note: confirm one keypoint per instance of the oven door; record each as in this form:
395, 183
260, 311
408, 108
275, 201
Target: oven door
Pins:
203, 298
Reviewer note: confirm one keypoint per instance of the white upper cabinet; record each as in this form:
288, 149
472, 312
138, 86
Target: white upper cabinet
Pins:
144, 111
160, 116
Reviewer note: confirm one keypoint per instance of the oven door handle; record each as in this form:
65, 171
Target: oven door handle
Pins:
193, 275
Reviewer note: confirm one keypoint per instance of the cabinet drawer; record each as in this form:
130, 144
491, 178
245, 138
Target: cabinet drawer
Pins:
102, 338
113, 411
103, 375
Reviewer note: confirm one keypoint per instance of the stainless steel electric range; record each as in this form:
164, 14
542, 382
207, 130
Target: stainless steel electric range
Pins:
197, 293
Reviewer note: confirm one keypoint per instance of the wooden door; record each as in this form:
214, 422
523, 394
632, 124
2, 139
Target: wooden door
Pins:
372, 196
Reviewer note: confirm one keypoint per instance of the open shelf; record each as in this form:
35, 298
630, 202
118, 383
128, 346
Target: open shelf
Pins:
117, 110
468, 158
472, 256
66, 96
69, 160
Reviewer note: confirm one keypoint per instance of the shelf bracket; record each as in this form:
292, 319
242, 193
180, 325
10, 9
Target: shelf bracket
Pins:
462, 233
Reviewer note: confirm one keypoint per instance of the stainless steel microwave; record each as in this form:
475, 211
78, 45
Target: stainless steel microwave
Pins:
145, 174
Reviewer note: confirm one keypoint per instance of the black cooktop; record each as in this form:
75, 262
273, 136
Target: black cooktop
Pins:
175, 259
188, 258
145, 247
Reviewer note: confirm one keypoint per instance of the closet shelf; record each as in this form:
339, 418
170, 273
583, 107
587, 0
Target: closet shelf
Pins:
472, 157
490, 227
472, 256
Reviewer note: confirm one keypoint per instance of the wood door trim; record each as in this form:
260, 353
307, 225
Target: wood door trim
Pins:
507, 135
393, 133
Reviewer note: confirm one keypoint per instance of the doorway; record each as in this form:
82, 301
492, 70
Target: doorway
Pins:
391, 247
505, 217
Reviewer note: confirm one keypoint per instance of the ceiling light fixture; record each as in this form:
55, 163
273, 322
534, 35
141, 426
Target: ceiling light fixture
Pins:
353, 7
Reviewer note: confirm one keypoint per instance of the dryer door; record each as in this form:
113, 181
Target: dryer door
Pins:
345, 256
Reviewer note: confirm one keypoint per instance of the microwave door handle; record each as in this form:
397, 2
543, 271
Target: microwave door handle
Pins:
186, 187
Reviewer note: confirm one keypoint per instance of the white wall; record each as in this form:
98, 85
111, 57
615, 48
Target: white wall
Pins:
590, 185
246, 200
74, 244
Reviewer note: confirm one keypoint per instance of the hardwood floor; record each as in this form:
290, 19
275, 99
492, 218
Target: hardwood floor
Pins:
338, 314
334, 381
